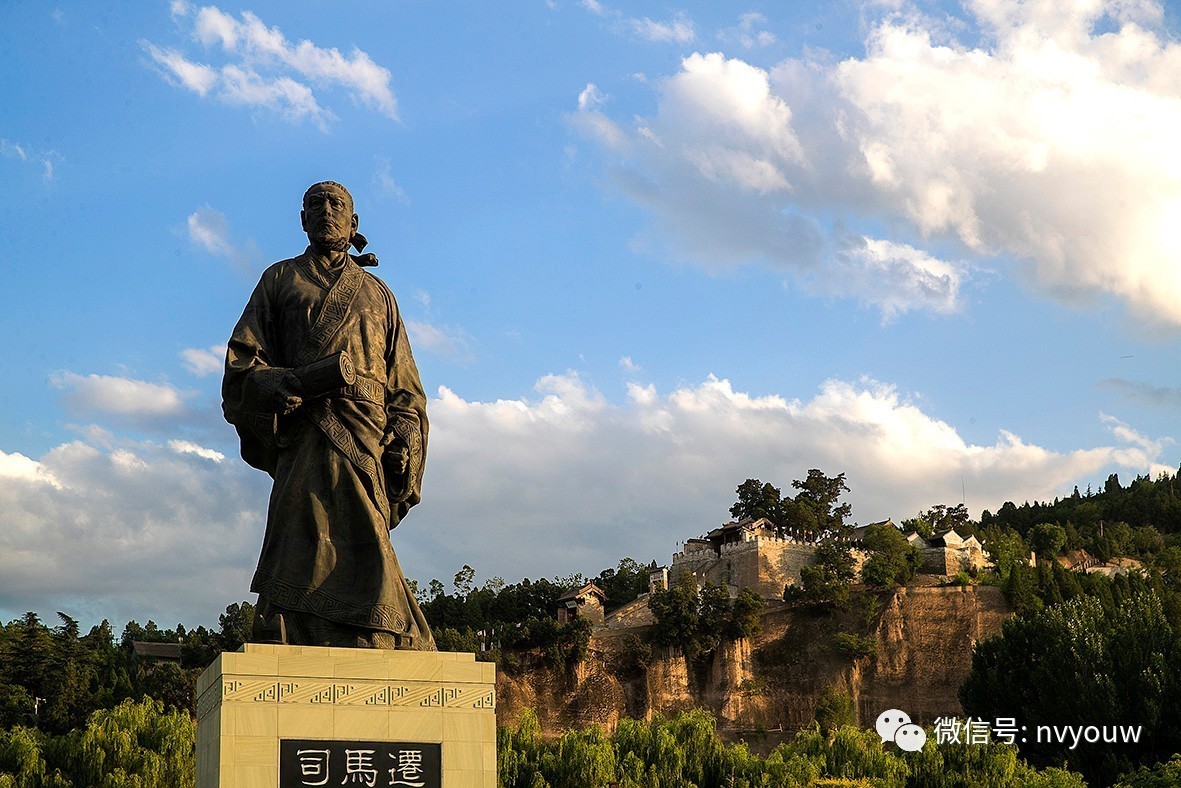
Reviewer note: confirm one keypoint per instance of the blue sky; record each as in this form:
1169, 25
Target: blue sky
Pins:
645, 252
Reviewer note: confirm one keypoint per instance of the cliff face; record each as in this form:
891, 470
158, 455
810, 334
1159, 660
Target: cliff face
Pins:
922, 637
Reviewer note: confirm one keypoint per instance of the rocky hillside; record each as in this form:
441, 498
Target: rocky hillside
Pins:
921, 640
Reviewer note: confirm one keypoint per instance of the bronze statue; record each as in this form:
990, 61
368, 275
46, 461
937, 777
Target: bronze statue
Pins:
324, 393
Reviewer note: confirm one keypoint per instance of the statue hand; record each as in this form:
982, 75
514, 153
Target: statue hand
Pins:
287, 395
395, 461
400, 459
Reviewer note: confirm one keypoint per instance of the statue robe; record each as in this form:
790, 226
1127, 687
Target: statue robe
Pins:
338, 484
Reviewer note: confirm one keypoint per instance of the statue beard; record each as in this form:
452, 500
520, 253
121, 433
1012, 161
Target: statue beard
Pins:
330, 243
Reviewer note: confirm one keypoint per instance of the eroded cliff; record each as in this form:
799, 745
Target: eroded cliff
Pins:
921, 638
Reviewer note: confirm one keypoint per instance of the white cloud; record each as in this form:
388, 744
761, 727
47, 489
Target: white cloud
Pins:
197, 77
558, 482
1046, 134
290, 99
1125, 433
893, 277
384, 180
583, 481
1056, 144
444, 340
11, 150
629, 366
209, 229
268, 69
136, 531
204, 361
46, 158
124, 397
749, 33
188, 447
17, 468
679, 29
254, 41
591, 98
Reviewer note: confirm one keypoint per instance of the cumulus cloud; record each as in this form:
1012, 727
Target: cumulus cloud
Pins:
19, 469
894, 277
584, 481
121, 397
204, 361
209, 229
268, 70
134, 531
107, 526
1043, 133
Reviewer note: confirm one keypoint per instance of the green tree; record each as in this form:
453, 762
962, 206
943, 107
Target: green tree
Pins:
1168, 560
892, 560
685, 750
464, 579
713, 618
171, 685
819, 499
1078, 661
134, 745
1005, 547
827, 580
448, 639
1163, 775
855, 646
624, 583
27, 656
940, 518
746, 615
675, 613
696, 622
756, 500
1020, 589
814, 513
1047, 540
834, 709
235, 625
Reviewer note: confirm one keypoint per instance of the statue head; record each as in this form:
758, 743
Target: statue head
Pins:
327, 216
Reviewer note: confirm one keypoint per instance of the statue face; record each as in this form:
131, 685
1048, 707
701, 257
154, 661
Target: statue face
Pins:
328, 219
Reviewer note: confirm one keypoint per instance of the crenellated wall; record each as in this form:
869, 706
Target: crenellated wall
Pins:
764, 564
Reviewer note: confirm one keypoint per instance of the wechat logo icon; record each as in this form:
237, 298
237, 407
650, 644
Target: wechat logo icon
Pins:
895, 725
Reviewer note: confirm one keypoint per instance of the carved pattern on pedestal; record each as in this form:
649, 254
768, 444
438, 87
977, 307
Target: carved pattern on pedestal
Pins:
402, 694
210, 699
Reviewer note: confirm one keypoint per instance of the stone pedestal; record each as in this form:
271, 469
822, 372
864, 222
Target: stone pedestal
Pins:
249, 700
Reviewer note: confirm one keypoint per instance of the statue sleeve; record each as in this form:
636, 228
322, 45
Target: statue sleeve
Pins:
406, 421
250, 381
